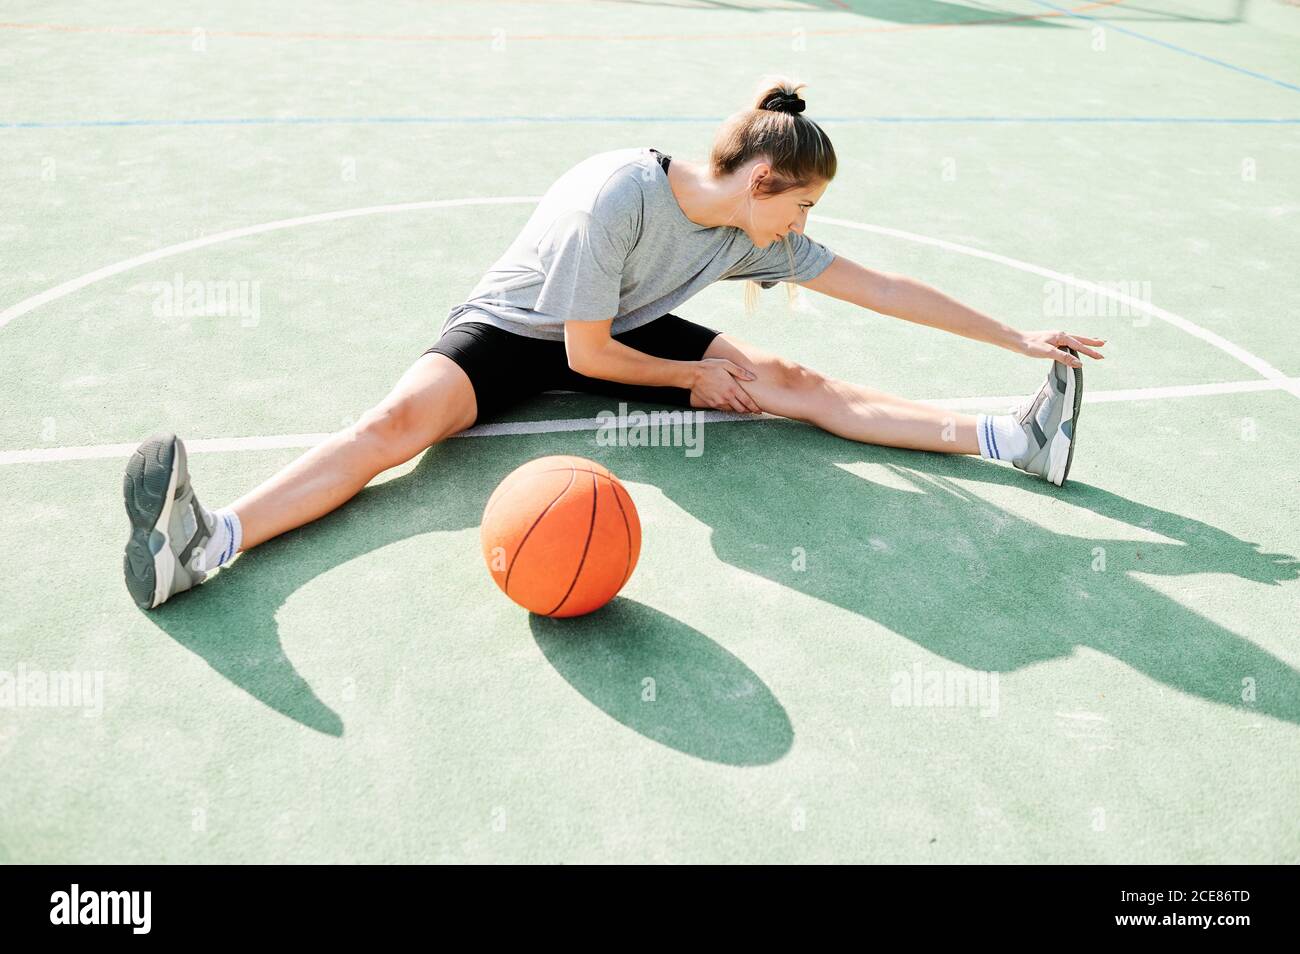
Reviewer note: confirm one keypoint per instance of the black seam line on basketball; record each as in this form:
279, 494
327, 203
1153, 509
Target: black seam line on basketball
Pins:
556, 470
553, 470
627, 527
519, 549
585, 547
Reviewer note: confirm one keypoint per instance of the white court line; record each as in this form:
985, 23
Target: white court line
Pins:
1271, 374
219, 445
108, 271
1254, 362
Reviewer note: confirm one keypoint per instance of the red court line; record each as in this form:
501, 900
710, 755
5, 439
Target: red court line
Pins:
600, 37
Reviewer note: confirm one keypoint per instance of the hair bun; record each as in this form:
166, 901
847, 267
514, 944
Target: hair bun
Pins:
784, 102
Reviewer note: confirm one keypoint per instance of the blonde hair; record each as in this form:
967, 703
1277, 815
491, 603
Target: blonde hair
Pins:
775, 129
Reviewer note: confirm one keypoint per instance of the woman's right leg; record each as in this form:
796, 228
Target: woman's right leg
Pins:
431, 401
175, 541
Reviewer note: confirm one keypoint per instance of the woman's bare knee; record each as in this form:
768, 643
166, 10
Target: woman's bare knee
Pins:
796, 378
782, 387
786, 388
397, 432
432, 401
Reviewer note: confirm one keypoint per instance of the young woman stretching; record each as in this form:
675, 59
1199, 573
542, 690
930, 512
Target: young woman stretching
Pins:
582, 301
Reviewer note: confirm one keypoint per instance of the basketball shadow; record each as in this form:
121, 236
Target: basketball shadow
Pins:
667, 681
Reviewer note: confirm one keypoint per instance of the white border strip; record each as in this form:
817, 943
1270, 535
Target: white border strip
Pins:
221, 445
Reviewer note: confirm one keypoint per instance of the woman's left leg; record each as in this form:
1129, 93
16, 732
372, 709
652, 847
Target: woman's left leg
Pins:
854, 411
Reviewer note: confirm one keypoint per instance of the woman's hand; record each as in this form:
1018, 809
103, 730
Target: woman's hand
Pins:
717, 385
1048, 344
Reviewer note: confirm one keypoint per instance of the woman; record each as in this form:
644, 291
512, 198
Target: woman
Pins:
582, 301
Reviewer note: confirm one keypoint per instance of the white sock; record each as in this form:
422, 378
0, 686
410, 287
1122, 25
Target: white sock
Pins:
1001, 436
227, 535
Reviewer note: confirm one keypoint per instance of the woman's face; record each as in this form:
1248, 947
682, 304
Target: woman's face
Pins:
771, 217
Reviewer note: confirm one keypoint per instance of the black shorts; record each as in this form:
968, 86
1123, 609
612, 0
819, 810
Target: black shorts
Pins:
505, 368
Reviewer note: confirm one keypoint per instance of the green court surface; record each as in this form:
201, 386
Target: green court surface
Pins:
360, 690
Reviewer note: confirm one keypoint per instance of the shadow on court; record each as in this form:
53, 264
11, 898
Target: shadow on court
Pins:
964, 579
705, 701
717, 708
938, 13
918, 12
940, 566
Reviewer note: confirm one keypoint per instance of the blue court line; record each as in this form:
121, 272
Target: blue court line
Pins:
1110, 24
711, 120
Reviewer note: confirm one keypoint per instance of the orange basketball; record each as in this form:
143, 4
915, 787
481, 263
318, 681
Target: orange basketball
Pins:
560, 536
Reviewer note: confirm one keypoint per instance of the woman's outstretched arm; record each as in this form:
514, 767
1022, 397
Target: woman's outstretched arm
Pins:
901, 297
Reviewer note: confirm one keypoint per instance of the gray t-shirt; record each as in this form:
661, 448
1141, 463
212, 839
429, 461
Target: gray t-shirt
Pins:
608, 240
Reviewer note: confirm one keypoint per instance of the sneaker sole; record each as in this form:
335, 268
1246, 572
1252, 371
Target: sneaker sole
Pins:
148, 561
1073, 397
